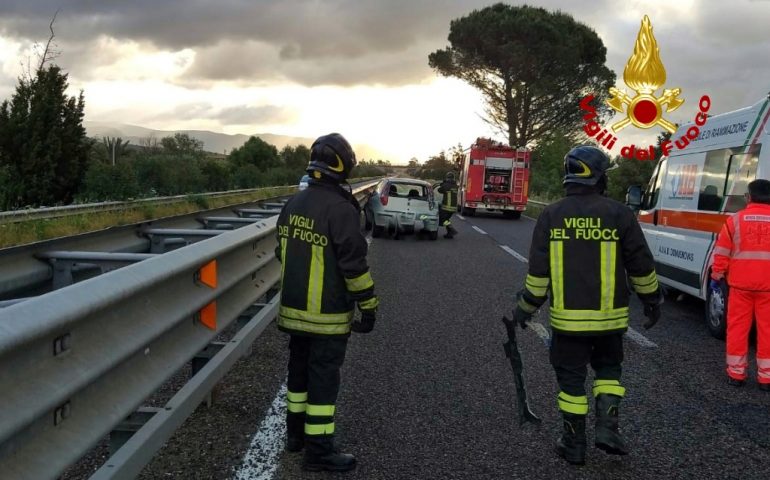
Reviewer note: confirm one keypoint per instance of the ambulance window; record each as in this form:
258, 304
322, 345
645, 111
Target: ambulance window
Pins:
743, 170
713, 180
653, 190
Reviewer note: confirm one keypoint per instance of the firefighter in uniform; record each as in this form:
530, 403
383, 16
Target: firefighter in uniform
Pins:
448, 188
742, 257
583, 246
324, 274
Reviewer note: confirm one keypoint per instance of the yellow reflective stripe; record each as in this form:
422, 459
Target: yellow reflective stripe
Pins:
283, 258
319, 429
296, 396
557, 274
295, 407
572, 404
369, 303
589, 326
361, 282
607, 262
589, 314
646, 284
538, 286
315, 317
303, 326
526, 306
316, 282
320, 410
616, 390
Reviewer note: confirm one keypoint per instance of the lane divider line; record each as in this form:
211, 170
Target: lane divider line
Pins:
479, 230
640, 339
261, 459
514, 253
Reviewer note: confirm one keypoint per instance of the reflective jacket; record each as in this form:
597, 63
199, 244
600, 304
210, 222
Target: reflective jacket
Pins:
742, 251
323, 262
449, 191
582, 248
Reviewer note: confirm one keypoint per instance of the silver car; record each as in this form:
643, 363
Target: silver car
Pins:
402, 205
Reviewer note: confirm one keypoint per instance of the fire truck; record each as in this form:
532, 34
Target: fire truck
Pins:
494, 177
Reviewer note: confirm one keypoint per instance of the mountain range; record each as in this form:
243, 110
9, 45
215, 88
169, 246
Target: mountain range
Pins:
212, 141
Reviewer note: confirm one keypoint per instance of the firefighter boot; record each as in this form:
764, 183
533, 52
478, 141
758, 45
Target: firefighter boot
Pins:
572, 444
295, 431
322, 455
607, 434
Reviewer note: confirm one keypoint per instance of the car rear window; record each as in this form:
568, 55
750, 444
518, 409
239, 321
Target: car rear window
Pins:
407, 190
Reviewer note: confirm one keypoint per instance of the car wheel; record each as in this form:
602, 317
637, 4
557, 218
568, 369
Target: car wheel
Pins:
716, 310
377, 231
367, 222
512, 214
433, 235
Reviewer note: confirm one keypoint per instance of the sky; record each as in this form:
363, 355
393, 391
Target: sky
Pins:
359, 67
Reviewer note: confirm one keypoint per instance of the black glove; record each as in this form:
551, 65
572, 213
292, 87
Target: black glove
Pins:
652, 312
366, 324
521, 317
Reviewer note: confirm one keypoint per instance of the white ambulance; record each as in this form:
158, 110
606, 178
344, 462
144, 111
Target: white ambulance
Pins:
691, 194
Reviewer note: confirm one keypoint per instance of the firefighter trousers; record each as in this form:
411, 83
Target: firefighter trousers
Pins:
313, 384
444, 218
570, 356
743, 306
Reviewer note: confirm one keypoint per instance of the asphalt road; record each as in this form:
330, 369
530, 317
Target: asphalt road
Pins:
429, 394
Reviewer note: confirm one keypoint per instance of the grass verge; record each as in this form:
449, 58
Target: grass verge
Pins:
20, 233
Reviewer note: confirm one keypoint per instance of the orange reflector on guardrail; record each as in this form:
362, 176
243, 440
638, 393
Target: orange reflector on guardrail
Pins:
207, 274
208, 316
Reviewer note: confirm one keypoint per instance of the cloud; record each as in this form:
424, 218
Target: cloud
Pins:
252, 115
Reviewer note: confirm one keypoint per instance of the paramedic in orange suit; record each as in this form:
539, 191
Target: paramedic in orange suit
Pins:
742, 257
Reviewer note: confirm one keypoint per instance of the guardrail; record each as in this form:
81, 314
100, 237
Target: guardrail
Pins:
539, 204
69, 210
79, 209
79, 360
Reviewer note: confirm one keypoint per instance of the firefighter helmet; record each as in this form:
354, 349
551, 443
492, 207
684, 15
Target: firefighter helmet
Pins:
586, 165
331, 155
450, 176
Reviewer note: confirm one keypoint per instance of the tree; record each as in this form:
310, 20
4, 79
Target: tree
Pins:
532, 66
295, 158
43, 142
182, 143
436, 167
116, 147
256, 152
633, 172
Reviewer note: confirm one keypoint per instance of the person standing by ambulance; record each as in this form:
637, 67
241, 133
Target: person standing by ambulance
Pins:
324, 274
582, 248
448, 188
742, 258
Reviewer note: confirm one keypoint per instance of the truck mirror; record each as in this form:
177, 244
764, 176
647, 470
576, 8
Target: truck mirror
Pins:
634, 197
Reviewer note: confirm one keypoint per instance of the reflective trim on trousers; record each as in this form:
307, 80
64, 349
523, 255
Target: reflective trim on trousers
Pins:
319, 428
608, 387
572, 404
736, 366
763, 370
296, 402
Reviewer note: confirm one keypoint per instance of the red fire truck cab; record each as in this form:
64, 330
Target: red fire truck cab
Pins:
494, 177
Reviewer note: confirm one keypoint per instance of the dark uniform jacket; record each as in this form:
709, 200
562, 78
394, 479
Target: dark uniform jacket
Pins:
582, 247
323, 262
449, 191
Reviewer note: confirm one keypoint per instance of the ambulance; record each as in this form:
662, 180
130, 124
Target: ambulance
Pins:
693, 191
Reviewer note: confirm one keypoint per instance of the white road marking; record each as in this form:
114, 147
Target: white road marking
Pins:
479, 230
460, 217
640, 339
515, 254
261, 460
